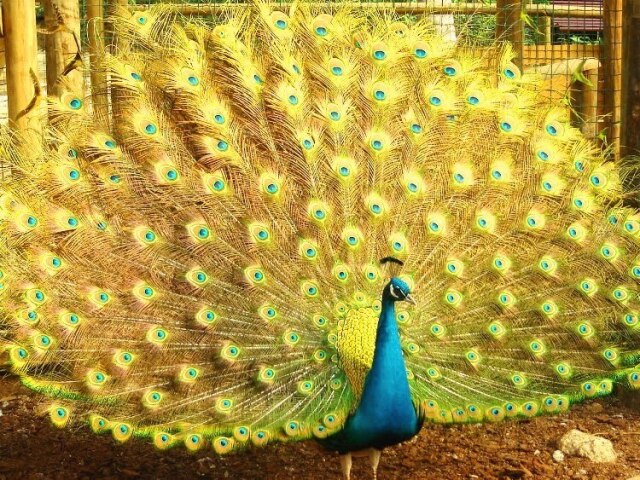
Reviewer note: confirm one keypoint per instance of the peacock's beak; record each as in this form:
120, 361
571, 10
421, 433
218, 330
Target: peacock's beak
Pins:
410, 299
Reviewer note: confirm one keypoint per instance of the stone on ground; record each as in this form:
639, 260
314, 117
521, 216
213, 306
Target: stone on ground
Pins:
596, 449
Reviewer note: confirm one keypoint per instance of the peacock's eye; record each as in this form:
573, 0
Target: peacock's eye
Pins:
450, 71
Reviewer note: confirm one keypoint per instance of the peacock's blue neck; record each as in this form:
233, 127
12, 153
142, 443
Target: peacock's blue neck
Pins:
386, 415
386, 383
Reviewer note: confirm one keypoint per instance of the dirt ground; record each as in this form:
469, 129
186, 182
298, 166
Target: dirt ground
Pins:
30, 448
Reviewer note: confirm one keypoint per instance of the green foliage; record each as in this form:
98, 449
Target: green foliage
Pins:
594, 39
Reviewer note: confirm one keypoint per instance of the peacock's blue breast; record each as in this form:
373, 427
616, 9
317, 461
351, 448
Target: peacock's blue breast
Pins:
388, 424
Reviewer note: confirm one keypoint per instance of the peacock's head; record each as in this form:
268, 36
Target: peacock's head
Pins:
397, 291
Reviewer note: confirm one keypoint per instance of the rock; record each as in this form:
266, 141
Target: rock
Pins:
558, 456
537, 452
596, 449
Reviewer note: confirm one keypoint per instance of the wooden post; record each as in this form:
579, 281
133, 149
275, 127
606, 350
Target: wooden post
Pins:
95, 32
584, 99
501, 19
612, 70
113, 7
60, 46
2, 60
546, 29
19, 21
115, 43
509, 25
630, 139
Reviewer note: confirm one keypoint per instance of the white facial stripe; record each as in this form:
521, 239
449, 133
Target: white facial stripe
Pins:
393, 291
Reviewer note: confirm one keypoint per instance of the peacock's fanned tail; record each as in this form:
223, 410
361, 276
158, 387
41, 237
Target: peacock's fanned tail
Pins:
206, 270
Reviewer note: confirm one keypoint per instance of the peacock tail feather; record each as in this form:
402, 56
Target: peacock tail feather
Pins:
205, 270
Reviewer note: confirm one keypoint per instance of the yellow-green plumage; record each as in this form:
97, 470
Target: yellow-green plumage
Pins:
205, 270
356, 339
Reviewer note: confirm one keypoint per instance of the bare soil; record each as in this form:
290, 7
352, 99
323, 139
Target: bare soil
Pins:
31, 448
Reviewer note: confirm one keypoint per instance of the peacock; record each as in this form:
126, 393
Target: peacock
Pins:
312, 221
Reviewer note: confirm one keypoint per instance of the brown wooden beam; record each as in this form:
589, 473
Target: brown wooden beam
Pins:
509, 25
501, 18
612, 70
19, 20
2, 59
113, 7
405, 8
95, 33
630, 115
115, 43
63, 18
546, 28
584, 100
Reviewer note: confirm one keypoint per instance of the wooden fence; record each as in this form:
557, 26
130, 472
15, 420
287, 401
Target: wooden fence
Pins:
598, 99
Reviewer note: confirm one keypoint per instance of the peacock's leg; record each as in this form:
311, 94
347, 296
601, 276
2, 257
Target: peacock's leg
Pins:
345, 463
374, 458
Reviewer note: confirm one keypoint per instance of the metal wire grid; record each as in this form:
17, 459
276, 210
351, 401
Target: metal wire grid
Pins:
577, 41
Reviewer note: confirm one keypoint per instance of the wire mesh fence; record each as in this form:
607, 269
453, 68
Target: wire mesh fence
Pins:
574, 44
